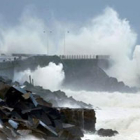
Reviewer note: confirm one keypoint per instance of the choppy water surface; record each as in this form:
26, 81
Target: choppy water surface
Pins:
118, 111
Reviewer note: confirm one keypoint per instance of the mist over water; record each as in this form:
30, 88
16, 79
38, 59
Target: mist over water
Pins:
105, 34
108, 34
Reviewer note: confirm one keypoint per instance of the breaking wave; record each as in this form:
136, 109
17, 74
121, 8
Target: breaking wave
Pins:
105, 34
49, 77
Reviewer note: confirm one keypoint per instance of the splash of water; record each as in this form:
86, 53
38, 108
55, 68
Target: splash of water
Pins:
49, 77
118, 111
105, 34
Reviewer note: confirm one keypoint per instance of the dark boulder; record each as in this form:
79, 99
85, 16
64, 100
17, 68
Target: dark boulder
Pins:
106, 132
83, 118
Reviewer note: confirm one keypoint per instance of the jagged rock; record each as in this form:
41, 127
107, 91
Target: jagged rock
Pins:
23, 113
106, 132
56, 98
84, 118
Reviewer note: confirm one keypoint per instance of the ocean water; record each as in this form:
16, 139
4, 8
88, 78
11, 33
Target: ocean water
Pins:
118, 111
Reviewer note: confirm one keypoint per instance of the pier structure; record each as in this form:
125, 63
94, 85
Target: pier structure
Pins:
21, 62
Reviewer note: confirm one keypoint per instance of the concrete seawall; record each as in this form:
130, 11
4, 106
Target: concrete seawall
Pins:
80, 74
7, 68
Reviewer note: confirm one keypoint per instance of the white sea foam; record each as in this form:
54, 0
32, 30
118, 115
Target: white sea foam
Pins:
49, 77
118, 111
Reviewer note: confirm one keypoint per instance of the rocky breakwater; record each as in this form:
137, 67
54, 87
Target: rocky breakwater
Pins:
23, 113
83, 118
56, 98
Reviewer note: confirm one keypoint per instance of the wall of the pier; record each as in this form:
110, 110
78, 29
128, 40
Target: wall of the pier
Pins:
7, 69
72, 62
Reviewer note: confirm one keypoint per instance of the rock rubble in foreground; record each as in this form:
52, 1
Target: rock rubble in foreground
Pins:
23, 113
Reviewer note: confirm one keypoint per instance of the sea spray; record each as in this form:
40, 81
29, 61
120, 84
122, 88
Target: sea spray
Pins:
104, 34
49, 77
118, 111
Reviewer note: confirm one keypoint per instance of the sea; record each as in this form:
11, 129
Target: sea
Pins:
117, 111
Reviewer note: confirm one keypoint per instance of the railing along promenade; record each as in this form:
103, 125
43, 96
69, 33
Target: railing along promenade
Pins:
84, 56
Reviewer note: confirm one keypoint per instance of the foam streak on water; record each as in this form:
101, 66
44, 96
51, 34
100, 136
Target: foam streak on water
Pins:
118, 111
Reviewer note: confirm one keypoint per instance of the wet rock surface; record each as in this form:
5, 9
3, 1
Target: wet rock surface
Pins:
23, 113
83, 118
107, 132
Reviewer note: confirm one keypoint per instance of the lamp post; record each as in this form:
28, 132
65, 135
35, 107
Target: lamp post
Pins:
65, 42
50, 32
47, 40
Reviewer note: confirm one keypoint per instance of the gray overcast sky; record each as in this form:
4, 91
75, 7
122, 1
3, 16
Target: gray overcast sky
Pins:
71, 10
